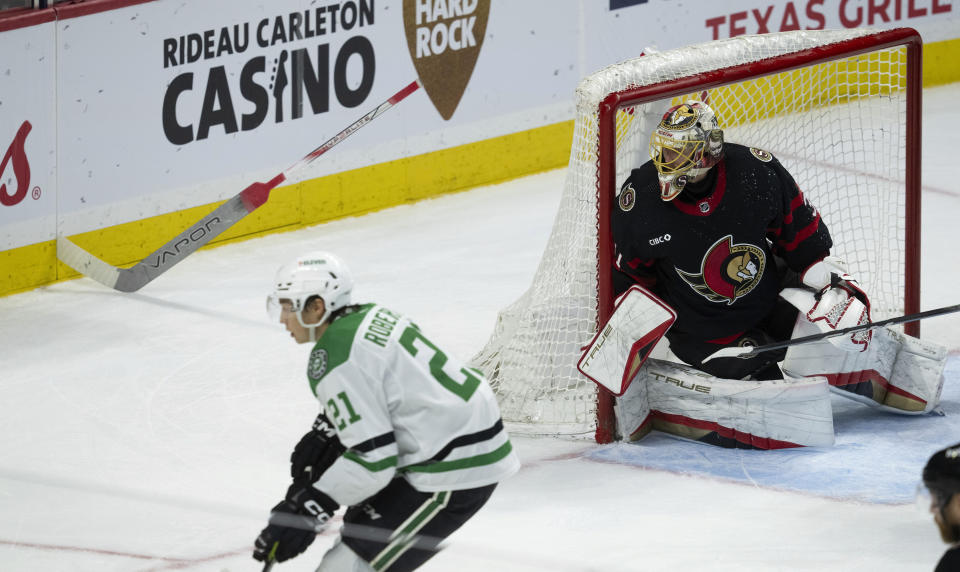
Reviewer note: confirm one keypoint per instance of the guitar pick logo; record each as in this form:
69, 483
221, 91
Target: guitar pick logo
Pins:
444, 38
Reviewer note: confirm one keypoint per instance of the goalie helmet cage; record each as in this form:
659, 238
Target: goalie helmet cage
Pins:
839, 108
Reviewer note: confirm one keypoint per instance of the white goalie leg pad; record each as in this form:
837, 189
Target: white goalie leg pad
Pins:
634, 416
616, 353
689, 403
897, 373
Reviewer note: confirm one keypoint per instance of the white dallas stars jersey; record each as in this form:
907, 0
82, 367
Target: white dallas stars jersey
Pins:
401, 405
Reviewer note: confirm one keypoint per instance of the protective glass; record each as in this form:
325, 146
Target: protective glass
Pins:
278, 308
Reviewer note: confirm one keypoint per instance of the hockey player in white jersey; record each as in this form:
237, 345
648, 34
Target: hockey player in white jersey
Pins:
410, 440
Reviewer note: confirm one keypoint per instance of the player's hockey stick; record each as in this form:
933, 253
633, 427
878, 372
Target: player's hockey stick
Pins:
200, 233
746, 352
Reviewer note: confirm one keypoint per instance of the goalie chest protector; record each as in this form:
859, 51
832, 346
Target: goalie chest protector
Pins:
711, 258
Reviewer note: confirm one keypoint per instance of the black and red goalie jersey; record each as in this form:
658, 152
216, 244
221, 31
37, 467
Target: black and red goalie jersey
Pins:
710, 253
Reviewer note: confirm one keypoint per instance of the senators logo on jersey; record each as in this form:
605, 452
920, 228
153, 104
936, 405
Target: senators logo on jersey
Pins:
627, 197
764, 156
728, 271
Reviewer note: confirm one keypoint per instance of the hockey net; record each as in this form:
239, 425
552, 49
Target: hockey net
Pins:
840, 109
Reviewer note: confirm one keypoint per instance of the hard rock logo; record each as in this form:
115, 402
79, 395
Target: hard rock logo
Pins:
728, 271
444, 38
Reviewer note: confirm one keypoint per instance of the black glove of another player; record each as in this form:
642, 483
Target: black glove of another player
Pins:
315, 452
294, 524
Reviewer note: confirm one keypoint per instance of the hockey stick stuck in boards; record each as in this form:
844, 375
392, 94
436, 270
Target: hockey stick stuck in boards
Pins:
746, 352
203, 231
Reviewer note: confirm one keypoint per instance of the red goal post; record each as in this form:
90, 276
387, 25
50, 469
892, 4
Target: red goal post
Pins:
841, 109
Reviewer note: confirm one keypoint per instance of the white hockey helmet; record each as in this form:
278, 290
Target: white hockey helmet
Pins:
685, 145
318, 274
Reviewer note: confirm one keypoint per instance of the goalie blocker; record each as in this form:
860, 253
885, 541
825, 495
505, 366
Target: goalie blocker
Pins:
637, 323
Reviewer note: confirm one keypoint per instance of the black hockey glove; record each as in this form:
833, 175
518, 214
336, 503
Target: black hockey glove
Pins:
294, 524
315, 452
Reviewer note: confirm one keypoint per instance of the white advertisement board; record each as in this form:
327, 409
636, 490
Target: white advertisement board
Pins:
176, 115
619, 29
28, 128
164, 105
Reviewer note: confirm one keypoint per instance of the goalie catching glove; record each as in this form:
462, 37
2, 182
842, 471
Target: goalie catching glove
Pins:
315, 452
294, 524
838, 303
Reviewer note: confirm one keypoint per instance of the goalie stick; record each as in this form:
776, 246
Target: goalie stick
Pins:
746, 352
203, 231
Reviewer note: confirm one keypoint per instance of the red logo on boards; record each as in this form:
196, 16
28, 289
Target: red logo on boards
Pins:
21, 168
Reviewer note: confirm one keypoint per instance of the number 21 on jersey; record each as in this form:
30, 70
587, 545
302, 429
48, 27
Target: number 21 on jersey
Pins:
334, 411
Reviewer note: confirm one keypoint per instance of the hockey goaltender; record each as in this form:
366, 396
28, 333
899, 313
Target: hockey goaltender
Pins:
716, 246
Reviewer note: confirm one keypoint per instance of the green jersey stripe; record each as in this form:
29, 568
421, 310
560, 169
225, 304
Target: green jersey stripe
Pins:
405, 536
465, 463
373, 467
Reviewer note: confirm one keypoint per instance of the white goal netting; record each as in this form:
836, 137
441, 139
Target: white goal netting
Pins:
839, 125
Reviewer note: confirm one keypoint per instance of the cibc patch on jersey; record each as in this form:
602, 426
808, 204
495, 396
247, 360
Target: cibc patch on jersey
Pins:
317, 365
728, 271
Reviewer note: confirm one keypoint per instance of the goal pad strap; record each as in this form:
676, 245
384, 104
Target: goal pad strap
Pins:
620, 347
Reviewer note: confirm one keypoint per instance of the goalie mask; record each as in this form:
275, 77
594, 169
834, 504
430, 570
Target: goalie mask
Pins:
686, 144
315, 275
